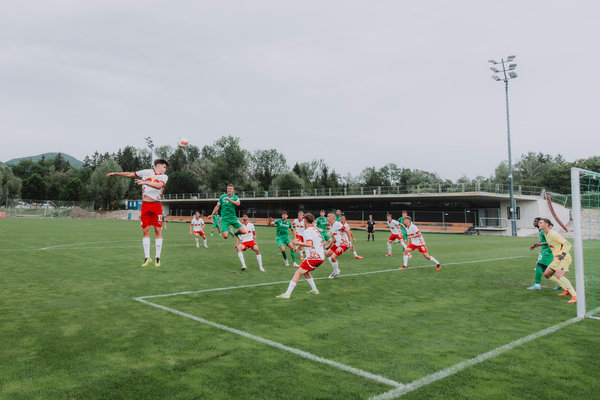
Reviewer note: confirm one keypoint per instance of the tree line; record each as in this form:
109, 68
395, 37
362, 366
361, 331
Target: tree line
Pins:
210, 168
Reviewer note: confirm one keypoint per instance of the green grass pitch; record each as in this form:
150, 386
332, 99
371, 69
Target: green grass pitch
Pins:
71, 328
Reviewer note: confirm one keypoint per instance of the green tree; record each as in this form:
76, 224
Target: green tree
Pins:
372, 177
34, 188
266, 165
72, 190
61, 177
53, 192
9, 182
181, 182
105, 190
23, 169
286, 181
230, 165
60, 164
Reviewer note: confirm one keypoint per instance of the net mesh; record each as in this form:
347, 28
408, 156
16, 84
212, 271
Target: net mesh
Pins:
589, 192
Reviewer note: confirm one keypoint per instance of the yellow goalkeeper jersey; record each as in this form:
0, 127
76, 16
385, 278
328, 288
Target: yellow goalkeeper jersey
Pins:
557, 243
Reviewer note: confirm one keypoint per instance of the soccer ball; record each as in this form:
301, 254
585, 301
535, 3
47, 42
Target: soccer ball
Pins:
182, 142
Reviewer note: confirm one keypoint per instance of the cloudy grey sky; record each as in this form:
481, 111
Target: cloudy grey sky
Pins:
357, 83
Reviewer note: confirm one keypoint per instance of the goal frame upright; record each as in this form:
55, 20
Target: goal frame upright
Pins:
578, 239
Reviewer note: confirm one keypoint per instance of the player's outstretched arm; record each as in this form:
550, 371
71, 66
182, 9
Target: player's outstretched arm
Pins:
215, 210
270, 221
124, 174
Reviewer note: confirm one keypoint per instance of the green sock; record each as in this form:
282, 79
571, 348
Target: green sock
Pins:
284, 255
293, 256
538, 274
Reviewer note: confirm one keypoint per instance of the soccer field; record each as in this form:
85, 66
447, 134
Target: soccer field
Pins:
80, 319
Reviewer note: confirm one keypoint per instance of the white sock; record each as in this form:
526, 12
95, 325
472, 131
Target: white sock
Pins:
259, 258
146, 243
291, 287
205, 242
311, 282
158, 247
403, 245
335, 267
196, 241
241, 256
405, 260
354, 252
330, 261
389, 248
434, 260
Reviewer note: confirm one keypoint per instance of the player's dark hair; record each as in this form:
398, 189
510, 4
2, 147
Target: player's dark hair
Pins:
536, 219
285, 212
388, 215
230, 185
309, 218
244, 215
546, 220
404, 211
161, 161
322, 210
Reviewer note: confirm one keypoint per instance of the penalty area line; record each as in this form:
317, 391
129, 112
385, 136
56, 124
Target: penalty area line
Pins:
395, 393
300, 353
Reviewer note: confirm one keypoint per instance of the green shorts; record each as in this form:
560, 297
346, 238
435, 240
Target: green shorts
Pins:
545, 259
216, 223
225, 223
283, 240
324, 236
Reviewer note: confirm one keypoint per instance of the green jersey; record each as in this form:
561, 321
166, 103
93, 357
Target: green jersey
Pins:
545, 248
227, 207
338, 219
321, 222
403, 229
282, 227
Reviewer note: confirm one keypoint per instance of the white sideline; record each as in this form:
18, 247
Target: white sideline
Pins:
301, 353
395, 393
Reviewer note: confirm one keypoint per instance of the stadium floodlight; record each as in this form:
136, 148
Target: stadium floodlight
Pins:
513, 206
150, 144
494, 69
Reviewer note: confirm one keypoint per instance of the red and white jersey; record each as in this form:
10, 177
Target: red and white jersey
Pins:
393, 225
413, 230
315, 252
298, 226
198, 224
249, 235
337, 230
149, 175
347, 231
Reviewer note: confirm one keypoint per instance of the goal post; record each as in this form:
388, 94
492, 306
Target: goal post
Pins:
585, 190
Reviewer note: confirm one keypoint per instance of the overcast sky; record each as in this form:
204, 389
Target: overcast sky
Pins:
357, 83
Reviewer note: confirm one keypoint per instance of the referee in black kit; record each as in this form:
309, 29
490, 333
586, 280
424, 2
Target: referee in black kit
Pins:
370, 228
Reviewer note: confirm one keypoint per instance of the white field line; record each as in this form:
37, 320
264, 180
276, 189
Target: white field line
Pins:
395, 393
300, 353
339, 276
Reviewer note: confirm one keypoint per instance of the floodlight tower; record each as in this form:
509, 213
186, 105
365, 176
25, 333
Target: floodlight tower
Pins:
511, 75
150, 144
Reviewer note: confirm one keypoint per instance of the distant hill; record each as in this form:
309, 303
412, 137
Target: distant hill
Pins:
75, 163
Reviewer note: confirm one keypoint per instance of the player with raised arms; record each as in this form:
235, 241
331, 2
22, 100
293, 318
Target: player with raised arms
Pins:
350, 237
298, 225
282, 237
312, 241
337, 245
197, 227
248, 241
227, 204
562, 259
153, 183
416, 242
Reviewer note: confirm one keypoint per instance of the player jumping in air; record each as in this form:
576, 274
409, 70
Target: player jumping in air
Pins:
337, 245
227, 204
416, 242
298, 224
197, 226
370, 228
545, 257
282, 237
350, 237
562, 259
312, 241
248, 241
153, 183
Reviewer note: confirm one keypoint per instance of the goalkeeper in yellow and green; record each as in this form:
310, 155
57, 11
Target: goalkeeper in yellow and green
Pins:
562, 259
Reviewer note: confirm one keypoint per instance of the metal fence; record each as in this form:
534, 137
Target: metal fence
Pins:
369, 191
47, 209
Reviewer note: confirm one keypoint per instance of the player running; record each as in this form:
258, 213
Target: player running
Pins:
153, 183
403, 229
370, 228
416, 242
216, 224
312, 241
227, 204
562, 259
282, 237
197, 226
298, 225
248, 241
349, 236
321, 226
395, 233
544, 258
337, 245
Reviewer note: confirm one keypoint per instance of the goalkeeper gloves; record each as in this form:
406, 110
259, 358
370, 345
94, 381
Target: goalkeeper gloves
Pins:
561, 256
